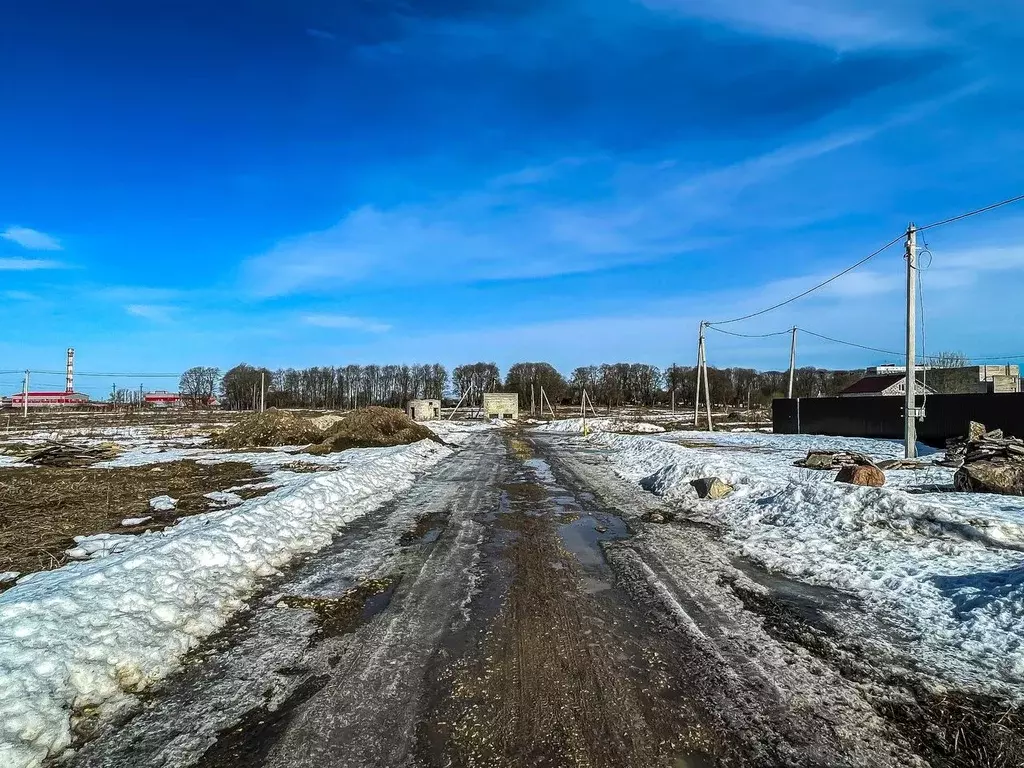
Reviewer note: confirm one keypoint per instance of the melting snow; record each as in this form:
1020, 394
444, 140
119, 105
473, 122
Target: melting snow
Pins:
947, 568
601, 425
162, 503
88, 634
130, 521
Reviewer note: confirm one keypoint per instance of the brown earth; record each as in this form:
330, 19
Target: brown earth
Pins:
43, 508
373, 427
269, 428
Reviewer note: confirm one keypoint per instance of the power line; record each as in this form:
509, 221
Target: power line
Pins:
750, 335
848, 343
975, 212
822, 284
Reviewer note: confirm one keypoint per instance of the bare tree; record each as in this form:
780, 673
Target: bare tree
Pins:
197, 385
949, 359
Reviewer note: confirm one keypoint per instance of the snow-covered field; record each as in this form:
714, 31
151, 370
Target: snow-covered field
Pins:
946, 570
81, 639
626, 426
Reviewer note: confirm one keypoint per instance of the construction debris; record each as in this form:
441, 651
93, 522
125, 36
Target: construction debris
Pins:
272, 427
373, 427
66, 455
833, 460
987, 462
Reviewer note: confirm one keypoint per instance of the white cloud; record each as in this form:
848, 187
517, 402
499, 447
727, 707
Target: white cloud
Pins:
156, 312
32, 239
25, 265
839, 24
345, 322
19, 296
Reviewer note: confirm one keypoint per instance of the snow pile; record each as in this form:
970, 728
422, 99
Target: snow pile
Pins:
624, 426
99, 545
8, 576
90, 634
128, 522
162, 503
947, 568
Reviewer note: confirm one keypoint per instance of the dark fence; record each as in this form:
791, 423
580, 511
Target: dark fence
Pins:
946, 416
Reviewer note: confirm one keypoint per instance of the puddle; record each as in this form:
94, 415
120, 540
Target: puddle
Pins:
427, 530
344, 614
584, 535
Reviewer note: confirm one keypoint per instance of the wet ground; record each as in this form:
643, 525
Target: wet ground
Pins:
513, 610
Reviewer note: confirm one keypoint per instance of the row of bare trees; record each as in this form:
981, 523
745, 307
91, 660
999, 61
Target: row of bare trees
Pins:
610, 385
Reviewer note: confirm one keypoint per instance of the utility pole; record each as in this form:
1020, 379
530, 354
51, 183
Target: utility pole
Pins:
792, 363
707, 387
910, 406
263, 393
533, 400
672, 383
700, 359
24, 397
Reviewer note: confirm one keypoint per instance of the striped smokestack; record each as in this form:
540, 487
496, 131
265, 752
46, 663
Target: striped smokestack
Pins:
71, 370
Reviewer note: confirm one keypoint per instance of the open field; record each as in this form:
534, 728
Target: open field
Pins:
520, 595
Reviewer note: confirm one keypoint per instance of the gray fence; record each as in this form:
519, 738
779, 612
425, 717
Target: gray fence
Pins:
882, 417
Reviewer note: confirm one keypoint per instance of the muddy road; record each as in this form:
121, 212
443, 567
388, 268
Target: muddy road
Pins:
512, 609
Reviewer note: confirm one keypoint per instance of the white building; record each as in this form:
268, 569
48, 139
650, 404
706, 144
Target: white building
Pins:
424, 410
501, 405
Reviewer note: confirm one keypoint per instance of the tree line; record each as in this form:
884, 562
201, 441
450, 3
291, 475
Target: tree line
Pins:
609, 385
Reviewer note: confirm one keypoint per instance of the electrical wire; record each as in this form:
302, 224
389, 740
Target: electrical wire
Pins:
835, 277
750, 335
967, 215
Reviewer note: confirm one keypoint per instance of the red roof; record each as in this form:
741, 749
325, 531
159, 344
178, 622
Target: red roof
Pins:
50, 394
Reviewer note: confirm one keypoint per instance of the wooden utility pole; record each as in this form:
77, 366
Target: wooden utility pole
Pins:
910, 406
792, 363
533, 400
24, 397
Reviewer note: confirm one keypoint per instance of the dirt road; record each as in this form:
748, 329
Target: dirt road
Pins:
510, 610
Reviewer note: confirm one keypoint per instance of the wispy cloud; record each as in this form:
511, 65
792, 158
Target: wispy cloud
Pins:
32, 239
158, 313
345, 322
19, 296
27, 265
321, 34
840, 24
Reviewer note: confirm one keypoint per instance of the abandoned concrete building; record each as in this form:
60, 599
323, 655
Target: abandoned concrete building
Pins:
501, 405
424, 410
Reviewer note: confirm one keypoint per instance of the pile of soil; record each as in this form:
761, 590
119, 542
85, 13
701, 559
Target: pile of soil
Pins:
373, 427
271, 427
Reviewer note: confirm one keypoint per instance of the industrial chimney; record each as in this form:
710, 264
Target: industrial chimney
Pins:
71, 370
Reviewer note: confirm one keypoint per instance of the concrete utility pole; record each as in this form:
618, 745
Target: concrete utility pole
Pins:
910, 407
24, 397
707, 387
700, 359
792, 363
263, 391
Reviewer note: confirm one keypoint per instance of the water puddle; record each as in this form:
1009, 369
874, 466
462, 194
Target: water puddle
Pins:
347, 612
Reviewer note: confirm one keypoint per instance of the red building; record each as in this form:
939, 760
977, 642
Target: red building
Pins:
164, 399
49, 400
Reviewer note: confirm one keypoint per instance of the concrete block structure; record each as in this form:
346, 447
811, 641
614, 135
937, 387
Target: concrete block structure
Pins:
501, 405
424, 410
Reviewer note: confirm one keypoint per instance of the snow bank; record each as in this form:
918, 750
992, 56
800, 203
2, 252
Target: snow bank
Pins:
601, 425
90, 634
947, 569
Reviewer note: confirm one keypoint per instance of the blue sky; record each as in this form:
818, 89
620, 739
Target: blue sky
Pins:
578, 181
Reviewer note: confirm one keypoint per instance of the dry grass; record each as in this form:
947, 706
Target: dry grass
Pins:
42, 508
373, 427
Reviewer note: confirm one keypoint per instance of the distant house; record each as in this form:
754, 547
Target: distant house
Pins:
501, 405
890, 385
161, 398
424, 410
968, 379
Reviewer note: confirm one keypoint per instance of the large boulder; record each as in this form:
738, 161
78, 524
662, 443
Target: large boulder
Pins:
711, 488
862, 474
996, 475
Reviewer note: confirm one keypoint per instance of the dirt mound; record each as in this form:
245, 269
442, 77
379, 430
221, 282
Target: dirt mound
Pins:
272, 427
373, 427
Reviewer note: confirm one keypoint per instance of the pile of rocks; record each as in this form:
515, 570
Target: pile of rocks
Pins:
987, 461
833, 460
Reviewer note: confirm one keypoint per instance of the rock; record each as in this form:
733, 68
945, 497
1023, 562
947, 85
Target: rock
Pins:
991, 476
819, 460
711, 488
862, 475
653, 517
975, 431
